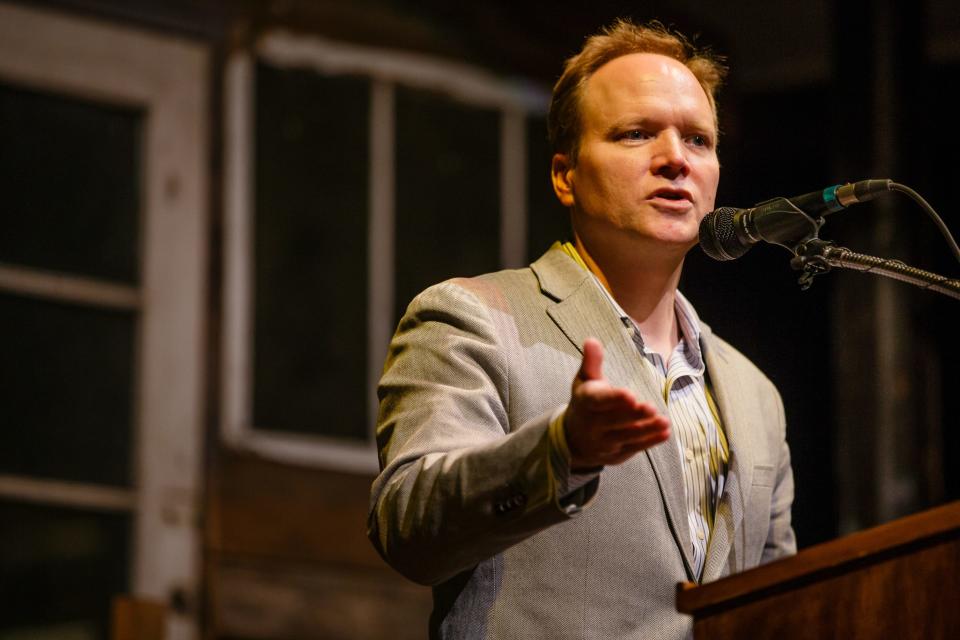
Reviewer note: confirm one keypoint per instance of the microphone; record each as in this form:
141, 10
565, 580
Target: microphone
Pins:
728, 233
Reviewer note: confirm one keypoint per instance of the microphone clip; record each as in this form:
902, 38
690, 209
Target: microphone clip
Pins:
782, 223
810, 257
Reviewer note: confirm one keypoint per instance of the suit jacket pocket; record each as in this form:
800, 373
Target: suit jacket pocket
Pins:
763, 475
757, 513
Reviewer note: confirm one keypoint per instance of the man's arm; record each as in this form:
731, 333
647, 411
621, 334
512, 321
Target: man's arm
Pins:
459, 482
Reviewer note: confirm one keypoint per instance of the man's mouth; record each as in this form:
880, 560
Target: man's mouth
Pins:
677, 195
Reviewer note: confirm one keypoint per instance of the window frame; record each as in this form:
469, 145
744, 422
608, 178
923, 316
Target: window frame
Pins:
513, 99
168, 79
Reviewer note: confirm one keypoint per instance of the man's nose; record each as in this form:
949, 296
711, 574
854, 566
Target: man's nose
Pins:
669, 156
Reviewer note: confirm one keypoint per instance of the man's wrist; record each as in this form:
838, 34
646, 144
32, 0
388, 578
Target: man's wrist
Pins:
570, 479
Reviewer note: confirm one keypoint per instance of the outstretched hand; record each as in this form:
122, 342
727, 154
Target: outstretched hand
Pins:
607, 425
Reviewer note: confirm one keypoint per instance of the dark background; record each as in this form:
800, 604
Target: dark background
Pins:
819, 93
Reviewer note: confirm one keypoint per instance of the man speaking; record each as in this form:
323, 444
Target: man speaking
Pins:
561, 445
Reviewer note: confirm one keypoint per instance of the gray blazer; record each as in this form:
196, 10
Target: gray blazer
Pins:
466, 501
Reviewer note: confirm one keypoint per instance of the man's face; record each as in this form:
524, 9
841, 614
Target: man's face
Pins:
647, 167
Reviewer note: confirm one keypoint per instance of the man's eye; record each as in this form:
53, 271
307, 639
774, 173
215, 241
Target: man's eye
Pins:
698, 140
636, 134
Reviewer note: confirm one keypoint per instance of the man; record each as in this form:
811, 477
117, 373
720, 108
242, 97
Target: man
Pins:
537, 509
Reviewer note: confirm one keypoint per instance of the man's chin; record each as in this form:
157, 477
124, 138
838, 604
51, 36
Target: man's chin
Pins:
682, 239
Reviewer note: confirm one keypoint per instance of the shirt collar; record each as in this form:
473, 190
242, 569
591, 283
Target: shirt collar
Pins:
689, 325
687, 316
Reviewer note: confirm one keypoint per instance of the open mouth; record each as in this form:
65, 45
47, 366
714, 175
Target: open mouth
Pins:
678, 195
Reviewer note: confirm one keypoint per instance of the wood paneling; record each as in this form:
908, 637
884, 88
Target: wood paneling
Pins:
262, 508
136, 619
899, 580
287, 556
265, 599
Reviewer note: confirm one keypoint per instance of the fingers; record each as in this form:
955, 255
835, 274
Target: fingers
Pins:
597, 438
592, 366
611, 404
626, 452
619, 445
595, 395
639, 432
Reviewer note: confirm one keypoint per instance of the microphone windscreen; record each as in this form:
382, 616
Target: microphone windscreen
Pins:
717, 236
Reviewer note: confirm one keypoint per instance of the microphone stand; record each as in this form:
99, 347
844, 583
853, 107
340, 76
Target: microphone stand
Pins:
815, 256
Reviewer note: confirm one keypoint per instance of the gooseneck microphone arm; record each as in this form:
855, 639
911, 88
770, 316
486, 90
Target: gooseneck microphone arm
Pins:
818, 256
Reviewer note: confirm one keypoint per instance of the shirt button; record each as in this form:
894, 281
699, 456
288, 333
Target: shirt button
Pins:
700, 534
689, 454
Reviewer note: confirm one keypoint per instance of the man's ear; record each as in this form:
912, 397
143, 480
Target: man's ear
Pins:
561, 172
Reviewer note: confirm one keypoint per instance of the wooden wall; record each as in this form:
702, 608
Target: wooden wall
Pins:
287, 557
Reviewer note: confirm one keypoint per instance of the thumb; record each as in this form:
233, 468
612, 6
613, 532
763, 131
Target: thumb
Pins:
592, 366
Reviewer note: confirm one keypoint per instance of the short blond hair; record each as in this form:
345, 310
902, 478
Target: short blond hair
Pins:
622, 38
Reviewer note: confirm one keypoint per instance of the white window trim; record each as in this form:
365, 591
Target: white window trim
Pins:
168, 78
67, 494
65, 287
386, 69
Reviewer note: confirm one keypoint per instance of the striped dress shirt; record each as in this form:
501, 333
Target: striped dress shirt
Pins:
696, 422
693, 415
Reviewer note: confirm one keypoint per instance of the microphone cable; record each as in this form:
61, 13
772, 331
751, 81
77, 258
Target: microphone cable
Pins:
937, 220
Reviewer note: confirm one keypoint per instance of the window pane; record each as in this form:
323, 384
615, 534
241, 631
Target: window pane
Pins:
60, 569
70, 179
448, 191
548, 220
66, 383
310, 341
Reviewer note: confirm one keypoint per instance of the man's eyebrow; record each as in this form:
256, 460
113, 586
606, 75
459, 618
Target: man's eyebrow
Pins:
635, 121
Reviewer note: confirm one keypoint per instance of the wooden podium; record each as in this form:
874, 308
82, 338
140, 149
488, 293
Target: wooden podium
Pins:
898, 580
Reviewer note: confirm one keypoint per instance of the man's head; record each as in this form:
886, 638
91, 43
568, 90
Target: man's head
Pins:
620, 39
636, 162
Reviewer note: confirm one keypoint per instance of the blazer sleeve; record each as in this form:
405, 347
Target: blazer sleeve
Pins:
781, 540
459, 482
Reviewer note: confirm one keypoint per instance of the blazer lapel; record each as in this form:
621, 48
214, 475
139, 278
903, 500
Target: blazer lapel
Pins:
737, 424
667, 466
582, 311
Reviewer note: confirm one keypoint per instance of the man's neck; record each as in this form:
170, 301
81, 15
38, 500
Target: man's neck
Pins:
645, 286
